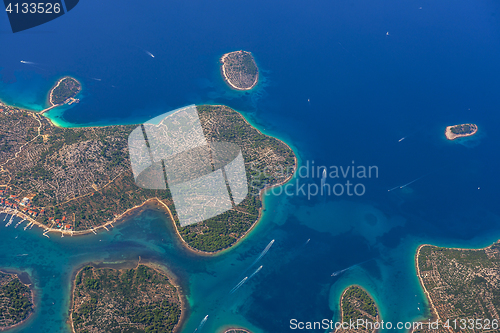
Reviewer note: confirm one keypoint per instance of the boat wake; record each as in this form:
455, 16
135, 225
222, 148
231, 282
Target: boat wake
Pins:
337, 273
263, 253
202, 323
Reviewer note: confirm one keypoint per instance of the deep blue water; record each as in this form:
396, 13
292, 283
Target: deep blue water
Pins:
438, 66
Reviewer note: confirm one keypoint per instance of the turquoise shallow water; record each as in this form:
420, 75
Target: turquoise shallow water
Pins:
337, 89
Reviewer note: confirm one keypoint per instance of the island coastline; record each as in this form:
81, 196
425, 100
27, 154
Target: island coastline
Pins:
228, 81
123, 216
185, 310
342, 308
229, 329
50, 96
434, 316
33, 297
450, 135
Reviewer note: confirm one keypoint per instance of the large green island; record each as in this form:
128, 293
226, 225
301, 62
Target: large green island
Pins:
141, 299
16, 301
358, 307
462, 286
78, 180
63, 92
239, 70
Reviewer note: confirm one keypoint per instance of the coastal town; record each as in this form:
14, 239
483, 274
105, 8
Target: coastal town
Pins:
76, 181
44, 167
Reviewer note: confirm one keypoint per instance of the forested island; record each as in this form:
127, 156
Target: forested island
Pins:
16, 301
77, 180
459, 131
239, 70
124, 300
356, 304
462, 285
64, 91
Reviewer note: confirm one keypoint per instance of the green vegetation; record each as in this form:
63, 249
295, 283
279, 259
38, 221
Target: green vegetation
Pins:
240, 69
15, 300
463, 129
357, 304
67, 88
248, 65
268, 162
463, 284
128, 300
83, 177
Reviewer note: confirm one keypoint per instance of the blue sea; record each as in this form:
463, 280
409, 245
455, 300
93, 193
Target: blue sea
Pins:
342, 82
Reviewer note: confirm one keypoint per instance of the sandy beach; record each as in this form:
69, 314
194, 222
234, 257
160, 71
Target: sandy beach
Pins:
223, 70
452, 136
435, 315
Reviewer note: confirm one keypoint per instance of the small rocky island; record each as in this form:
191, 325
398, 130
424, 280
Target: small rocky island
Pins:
239, 70
356, 304
459, 131
16, 301
124, 300
64, 91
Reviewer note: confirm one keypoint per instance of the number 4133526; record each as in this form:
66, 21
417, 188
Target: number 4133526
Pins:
34, 8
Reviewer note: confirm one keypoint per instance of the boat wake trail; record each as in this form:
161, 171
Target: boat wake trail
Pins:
204, 320
263, 253
32, 64
323, 179
245, 279
350, 267
239, 285
149, 53
256, 271
403, 186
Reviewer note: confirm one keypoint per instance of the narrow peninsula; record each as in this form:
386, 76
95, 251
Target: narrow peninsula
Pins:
239, 70
459, 131
75, 181
16, 301
462, 285
358, 307
124, 300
